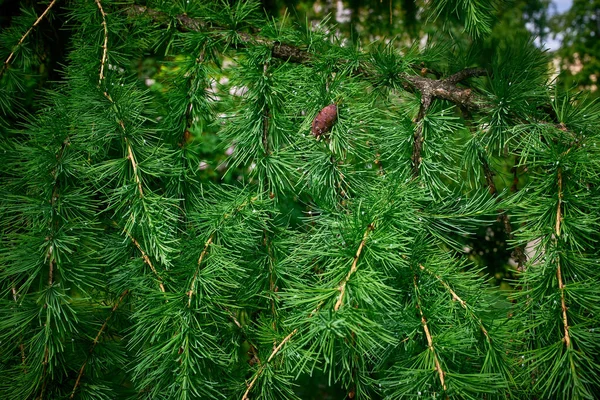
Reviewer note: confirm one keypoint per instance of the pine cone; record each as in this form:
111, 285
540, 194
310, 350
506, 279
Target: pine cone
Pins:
324, 120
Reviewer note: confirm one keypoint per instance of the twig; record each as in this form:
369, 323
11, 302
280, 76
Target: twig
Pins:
130, 154
105, 45
262, 367
147, 261
20, 42
416, 158
461, 301
193, 284
21, 346
95, 342
353, 268
561, 284
438, 366
131, 158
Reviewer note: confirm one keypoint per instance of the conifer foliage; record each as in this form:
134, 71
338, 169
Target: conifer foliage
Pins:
281, 215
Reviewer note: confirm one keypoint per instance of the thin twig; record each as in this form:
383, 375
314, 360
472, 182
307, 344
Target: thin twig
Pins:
130, 154
105, 44
262, 367
418, 139
353, 268
561, 284
21, 346
95, 342
193, 284
438, 366
457, 298
20, 42
147, 261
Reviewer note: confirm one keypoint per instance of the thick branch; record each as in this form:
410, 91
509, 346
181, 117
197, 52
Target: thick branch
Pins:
465, 74
433, 88
441, 89
353, 268
418, 135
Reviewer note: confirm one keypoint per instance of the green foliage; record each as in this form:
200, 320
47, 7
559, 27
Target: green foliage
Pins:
172, 228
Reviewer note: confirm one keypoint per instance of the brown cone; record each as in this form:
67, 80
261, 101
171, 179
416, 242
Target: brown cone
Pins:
324, 120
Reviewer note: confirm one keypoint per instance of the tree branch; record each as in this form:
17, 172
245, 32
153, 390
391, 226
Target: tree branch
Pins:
193, 284
105, 45
20, 42
262, 367
461, 301
147, 261
438, 366
353, 268
561, 285
465, 74
95, 342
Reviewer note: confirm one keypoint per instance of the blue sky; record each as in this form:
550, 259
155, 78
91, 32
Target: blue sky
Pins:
561, 7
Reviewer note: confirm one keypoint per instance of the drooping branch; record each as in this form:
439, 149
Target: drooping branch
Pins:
105, 44
518, 252
561, 285
202, 255
20, 42
95, 342
130, 154
21, 345
353, 268
147, 261
438, 366
276, 350
460, 301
